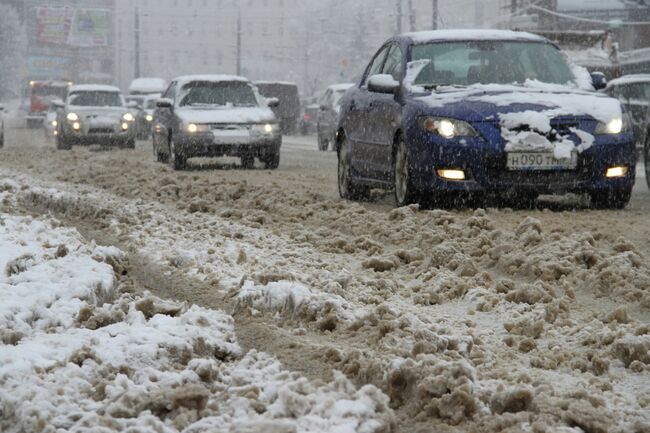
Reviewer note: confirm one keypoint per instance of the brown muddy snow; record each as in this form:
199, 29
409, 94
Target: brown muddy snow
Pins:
479, 321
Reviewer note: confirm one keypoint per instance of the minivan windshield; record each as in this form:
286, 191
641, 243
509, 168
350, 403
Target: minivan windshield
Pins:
209, 93
96, 99
490, 62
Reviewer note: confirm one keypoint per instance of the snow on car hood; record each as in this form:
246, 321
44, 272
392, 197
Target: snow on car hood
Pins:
109, 112
226, 115
532, 105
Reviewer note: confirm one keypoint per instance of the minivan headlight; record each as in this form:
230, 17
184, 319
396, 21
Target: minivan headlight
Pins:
72, 117
193, 128
448, 128
128, 117
615, 126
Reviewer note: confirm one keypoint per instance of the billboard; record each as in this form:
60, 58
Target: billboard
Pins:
48, 67
53, 24
90, 28
81, 27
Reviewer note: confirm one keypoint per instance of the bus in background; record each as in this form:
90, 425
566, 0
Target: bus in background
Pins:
39, 95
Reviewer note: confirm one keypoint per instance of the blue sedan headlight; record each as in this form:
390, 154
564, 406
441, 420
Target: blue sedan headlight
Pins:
615, 126
448, 128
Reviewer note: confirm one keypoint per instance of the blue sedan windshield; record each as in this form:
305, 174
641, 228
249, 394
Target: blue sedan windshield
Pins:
490, 62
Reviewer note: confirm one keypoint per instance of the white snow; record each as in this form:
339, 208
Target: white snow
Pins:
472, 34
146, 85
227, 115
93, 88
629, 79
75, 357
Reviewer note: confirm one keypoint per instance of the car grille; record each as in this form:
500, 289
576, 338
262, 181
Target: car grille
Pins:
497, 173
100, 131
229, 127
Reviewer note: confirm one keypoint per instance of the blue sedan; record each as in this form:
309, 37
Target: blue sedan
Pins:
482, 112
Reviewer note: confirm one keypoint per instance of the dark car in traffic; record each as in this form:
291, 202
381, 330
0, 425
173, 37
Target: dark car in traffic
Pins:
288, 109
328, 115
213, 116
480, 112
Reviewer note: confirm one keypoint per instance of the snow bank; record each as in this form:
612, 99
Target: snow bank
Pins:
75, 357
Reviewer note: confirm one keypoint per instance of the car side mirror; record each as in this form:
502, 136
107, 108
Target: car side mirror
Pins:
598, 80
272, 102
383, 83
164, 103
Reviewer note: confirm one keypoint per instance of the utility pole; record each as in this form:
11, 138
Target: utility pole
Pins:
239, 34
434, 17
399, 16
411, 16
137, 41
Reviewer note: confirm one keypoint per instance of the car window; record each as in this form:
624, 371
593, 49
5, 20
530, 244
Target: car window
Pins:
487, 62
634, 91
170, 92
377, 63
220, 93
393, 65
96, 99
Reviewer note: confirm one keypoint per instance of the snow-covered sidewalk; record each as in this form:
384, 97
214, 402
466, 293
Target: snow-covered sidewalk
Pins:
77, 354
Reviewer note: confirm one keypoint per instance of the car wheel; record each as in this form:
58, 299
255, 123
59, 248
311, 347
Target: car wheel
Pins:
129, 144
248, 161
176, 160
347, 188
272, 162
646, 161
404, 190
612, 198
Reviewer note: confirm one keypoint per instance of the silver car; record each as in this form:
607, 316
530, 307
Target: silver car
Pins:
95, 114
212, 116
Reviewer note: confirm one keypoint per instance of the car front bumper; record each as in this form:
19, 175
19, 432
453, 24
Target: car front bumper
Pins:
485, 167
210, 145
94, 134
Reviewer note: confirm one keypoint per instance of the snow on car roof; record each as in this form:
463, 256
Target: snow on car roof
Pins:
471, 35
215, 78
629, 79
148, 85
284, 83
93, 88
342, 86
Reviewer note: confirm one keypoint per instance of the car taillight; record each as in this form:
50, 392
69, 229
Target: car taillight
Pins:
306, 117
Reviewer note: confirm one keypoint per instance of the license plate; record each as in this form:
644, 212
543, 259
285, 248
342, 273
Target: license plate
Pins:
540, 161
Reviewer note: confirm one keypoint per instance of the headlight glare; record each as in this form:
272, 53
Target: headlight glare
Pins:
615, 126
265, 128
149, 118
193, 128
72, 117
448, 128
128, 117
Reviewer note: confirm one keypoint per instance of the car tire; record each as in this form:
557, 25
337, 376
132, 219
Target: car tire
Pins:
272, 161
62, 143
612, 198
404, 191
177, 161
129, 144
646, 161
248, 162
348, 190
